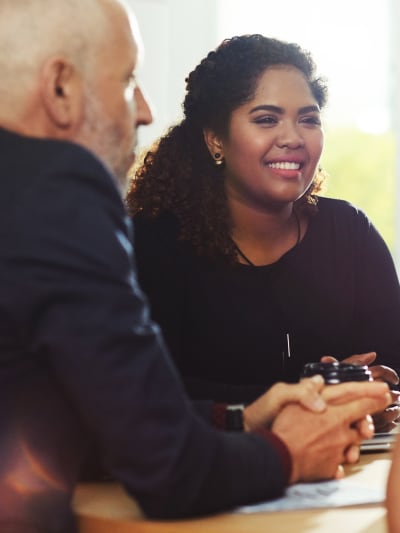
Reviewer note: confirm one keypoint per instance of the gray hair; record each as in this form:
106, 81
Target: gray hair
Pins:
33, 30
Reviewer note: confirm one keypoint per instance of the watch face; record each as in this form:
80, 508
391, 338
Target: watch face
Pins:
234, 417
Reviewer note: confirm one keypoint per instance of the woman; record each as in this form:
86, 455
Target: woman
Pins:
248, 272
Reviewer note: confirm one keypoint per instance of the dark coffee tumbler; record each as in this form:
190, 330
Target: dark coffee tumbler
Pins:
334, 373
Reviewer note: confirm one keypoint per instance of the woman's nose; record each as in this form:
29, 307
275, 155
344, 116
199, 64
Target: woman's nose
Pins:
289, 136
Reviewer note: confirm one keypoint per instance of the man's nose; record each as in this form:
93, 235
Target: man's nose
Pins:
144, 115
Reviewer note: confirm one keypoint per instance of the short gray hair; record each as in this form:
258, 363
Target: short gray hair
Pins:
33, 30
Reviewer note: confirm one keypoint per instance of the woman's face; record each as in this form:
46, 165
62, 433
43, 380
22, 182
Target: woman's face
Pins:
274, 141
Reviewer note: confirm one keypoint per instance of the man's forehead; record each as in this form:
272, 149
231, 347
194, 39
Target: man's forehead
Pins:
137, 37
122, 41
135, 34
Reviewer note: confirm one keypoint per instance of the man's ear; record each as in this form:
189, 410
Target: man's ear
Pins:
214, 143
62, 93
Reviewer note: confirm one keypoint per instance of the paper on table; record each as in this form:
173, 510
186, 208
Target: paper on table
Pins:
336, 493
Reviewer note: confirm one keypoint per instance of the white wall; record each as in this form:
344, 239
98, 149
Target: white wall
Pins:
176, 34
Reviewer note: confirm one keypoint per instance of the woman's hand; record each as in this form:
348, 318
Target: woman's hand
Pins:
378, 372
385, 420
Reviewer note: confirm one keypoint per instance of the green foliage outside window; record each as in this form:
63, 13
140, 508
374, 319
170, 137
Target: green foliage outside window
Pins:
361, 170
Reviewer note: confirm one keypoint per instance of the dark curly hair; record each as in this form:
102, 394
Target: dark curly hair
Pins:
178, 175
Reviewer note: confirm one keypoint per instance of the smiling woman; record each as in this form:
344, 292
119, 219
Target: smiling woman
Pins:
263, 274
215, 123
271, 152
361, 118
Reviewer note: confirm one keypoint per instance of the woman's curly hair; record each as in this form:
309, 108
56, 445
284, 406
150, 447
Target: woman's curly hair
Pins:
178, 174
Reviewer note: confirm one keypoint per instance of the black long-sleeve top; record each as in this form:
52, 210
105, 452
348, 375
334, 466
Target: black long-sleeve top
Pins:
231, 329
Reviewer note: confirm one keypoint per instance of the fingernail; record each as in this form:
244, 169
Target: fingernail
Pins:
317, 379
319, 404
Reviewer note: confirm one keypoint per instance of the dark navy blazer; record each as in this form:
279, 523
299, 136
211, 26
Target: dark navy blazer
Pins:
80, 358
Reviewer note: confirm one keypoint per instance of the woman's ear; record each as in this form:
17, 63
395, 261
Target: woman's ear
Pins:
214, 144
62, 93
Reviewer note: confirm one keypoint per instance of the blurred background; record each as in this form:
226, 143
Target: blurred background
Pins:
356, 48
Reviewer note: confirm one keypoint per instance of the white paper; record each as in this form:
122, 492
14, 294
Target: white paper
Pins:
336, 493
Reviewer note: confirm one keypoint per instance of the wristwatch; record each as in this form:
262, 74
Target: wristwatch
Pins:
234, 417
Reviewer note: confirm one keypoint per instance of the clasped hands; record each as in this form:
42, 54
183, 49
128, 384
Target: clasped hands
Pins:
322, 426
384, 420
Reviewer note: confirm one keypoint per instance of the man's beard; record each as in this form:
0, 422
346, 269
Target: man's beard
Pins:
102, 136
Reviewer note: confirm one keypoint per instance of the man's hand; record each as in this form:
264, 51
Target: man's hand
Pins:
384, 420
319, 442
263, 411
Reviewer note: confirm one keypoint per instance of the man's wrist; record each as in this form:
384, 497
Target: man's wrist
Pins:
234, 417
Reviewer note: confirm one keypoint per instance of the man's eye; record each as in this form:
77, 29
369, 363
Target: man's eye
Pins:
131, 82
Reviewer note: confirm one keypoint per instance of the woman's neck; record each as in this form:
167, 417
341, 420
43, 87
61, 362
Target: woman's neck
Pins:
263, 235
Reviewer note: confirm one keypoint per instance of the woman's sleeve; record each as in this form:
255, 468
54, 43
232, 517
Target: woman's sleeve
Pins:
377, 319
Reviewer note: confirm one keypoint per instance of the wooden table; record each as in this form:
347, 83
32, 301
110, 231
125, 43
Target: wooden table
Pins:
105, 508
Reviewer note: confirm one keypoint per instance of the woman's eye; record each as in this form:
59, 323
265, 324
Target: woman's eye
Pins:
268, 120
312, 120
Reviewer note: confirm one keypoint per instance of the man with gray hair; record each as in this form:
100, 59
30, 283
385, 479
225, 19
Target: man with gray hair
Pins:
80, 359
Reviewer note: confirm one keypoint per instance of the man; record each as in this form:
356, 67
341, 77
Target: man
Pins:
80, 359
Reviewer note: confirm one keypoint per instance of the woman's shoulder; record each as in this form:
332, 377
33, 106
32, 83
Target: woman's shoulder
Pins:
342, 220
334, 207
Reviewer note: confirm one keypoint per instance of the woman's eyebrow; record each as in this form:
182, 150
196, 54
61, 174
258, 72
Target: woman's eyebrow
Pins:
272, 108
279, 110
